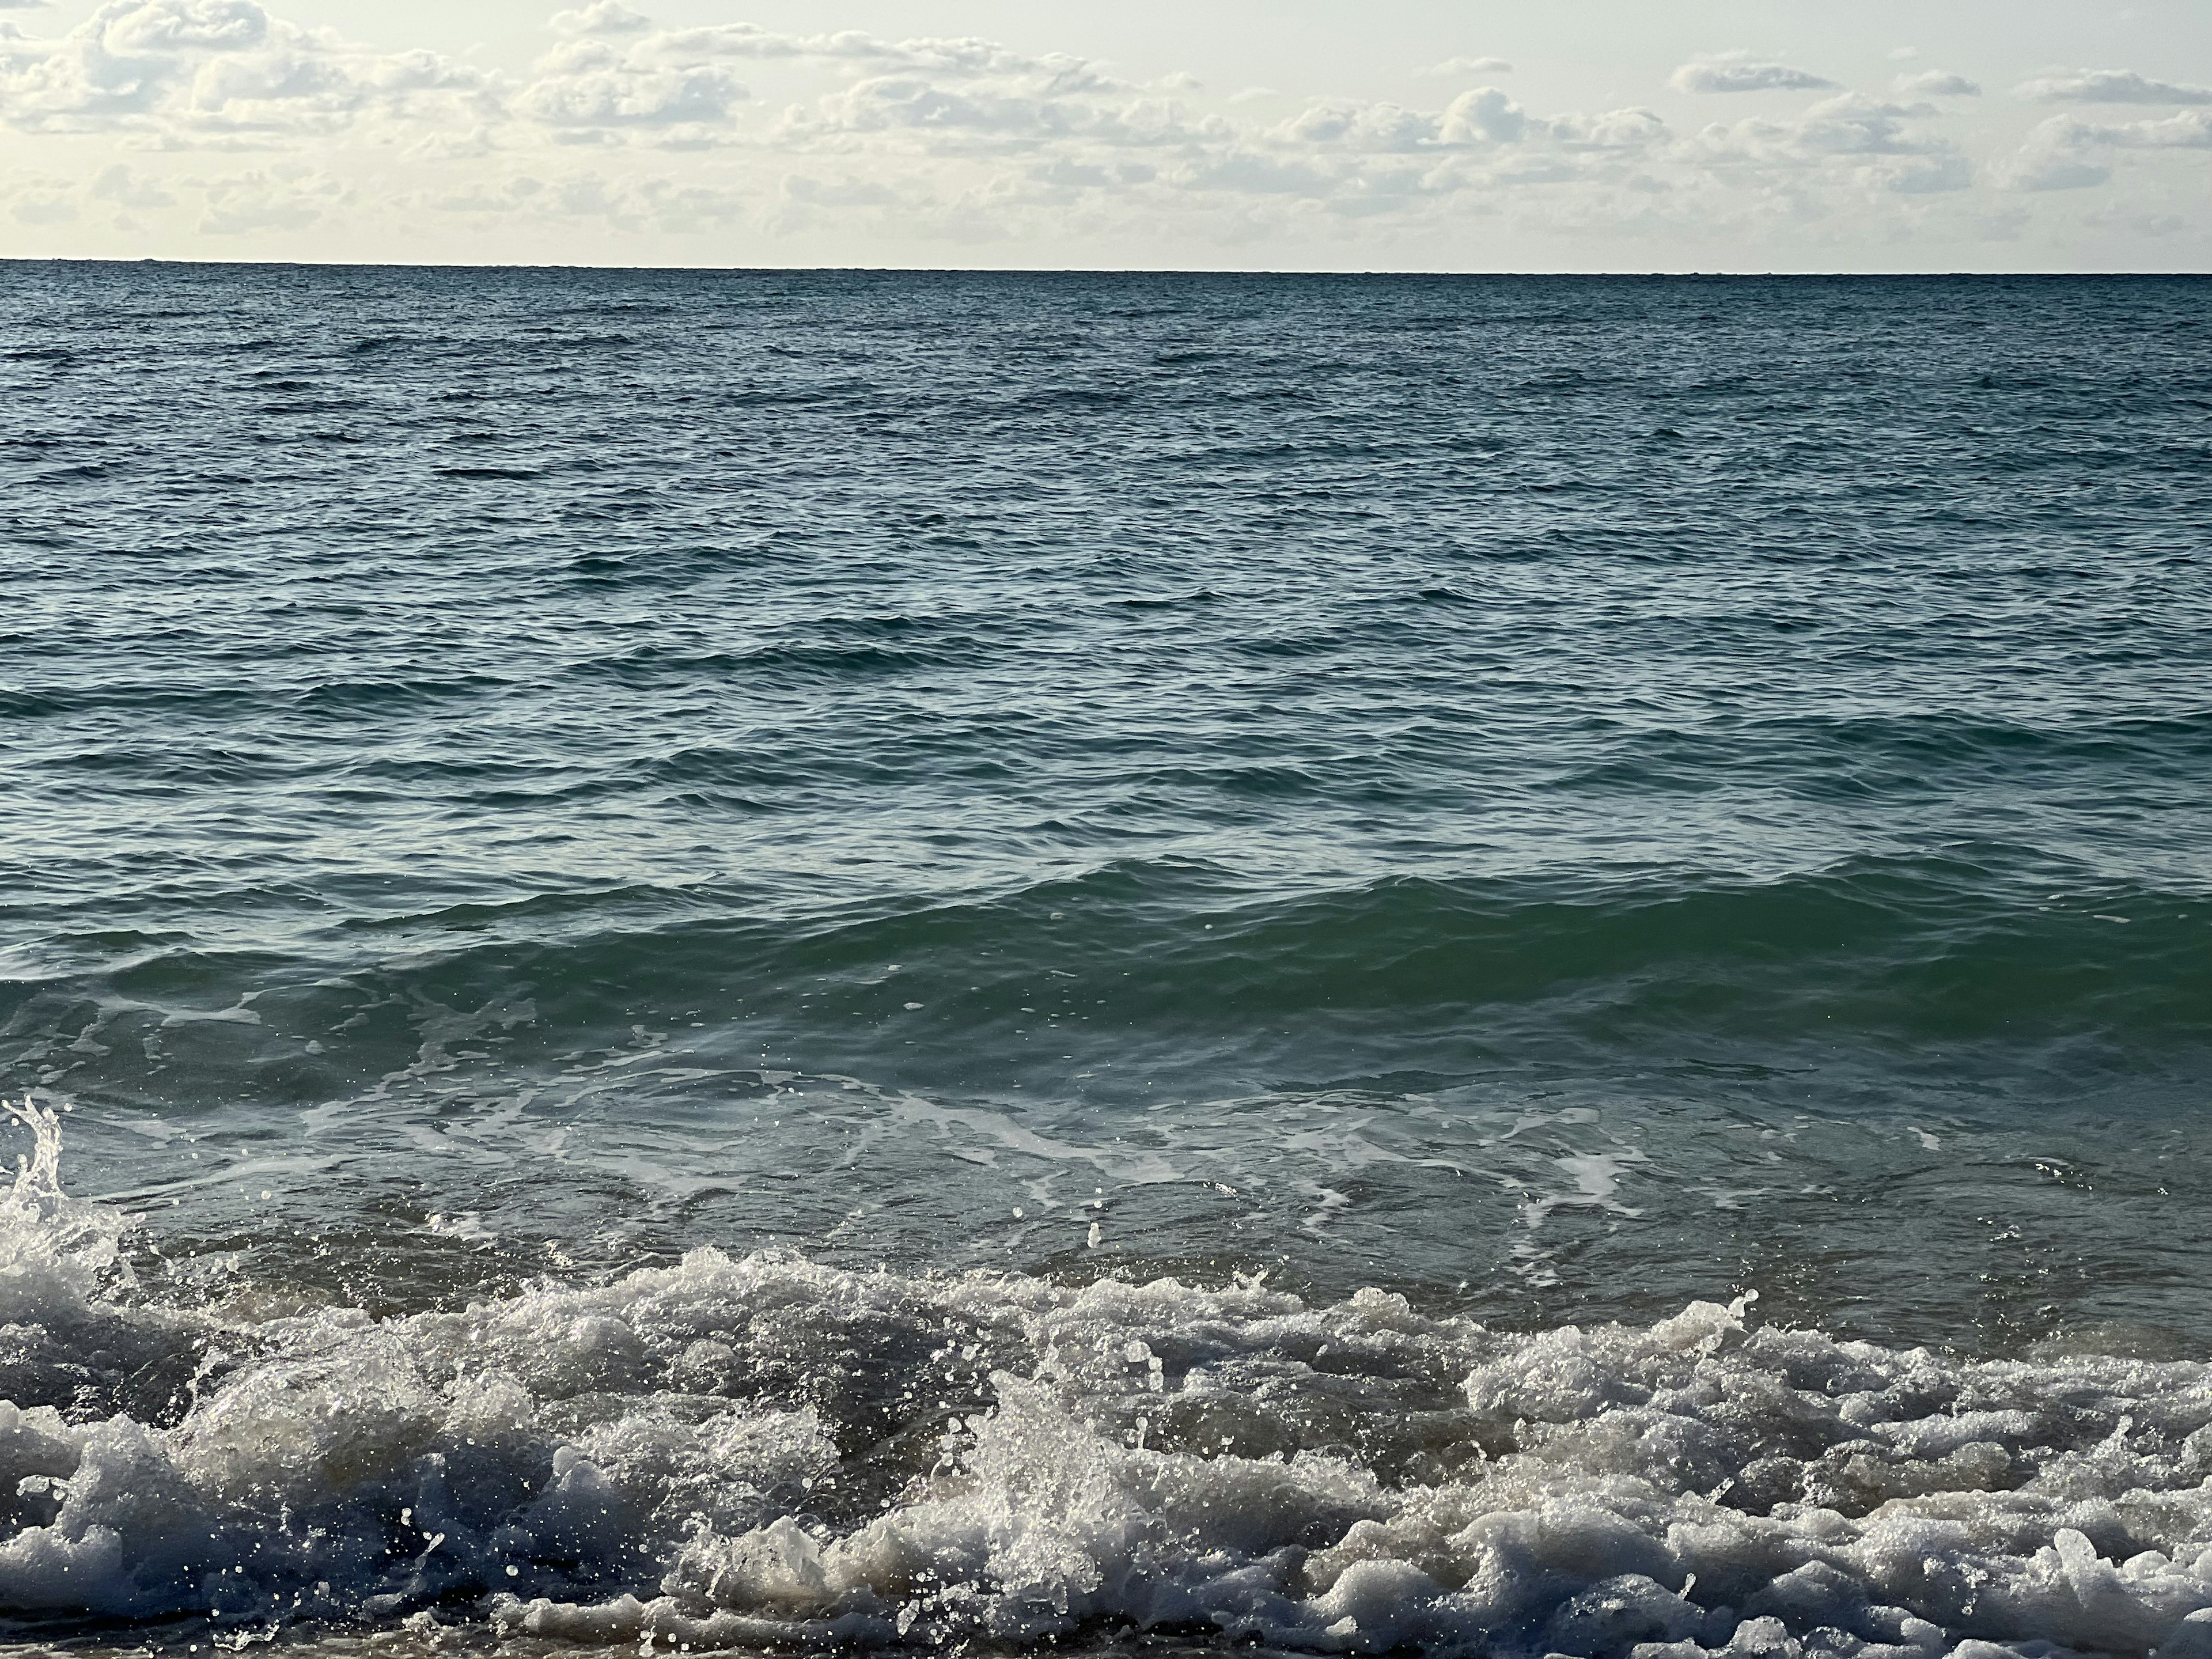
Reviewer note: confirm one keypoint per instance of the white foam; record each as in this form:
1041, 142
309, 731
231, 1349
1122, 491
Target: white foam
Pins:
766, 1451
55, 1252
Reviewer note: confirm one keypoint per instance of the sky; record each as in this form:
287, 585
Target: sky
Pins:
1412, 135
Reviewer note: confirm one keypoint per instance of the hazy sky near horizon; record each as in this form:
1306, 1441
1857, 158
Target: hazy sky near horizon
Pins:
1583, 134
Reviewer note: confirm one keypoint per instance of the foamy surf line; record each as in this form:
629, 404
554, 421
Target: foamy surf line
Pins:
768, 1454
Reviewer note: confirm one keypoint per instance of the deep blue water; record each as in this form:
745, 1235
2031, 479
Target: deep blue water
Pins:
1554, 796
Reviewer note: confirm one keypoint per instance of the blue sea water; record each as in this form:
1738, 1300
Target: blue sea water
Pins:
1551, 800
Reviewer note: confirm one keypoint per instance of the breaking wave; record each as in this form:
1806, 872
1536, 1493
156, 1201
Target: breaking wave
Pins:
769, 1452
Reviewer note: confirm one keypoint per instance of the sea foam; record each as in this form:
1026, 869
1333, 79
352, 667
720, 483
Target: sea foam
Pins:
765, 1451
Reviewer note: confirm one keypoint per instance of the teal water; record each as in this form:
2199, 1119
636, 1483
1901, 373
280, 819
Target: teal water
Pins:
1553, 798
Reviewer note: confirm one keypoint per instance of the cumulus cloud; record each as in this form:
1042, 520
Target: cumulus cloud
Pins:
2190, 130
2066, 153
602, 17
1850, 140
588, 90
1455, 69
1376, 128
214, 70
1738, 74
2110, 87
1936, 83
731, 130
169, 26
1485, 116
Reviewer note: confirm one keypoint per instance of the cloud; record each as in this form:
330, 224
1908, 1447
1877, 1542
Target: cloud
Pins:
2070, 135
1852, 123
602, 17
2110, 87
966, 56
1936, 83
1736, 74
171, 25
1851, 142
2066, 153
121, 186
2190, 130
1007, 117
2053, 159
735, 135
619, 94
2044, 173
1458, 68
214, 70
1485, 116
1374, 128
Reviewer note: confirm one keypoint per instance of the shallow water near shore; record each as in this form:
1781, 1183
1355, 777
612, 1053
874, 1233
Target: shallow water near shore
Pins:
902, 960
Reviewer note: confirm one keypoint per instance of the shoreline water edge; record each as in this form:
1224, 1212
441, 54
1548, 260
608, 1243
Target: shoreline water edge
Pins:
762, 1452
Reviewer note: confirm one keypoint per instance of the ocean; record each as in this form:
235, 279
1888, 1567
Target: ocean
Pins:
980, 963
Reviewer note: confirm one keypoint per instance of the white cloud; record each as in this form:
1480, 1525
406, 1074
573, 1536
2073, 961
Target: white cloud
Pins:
623, 94
2067, 138
214, 70
2066, 153
2053, 158
602, 17
2110, 87
1737, 73
1373, 128
745, 139
2190, 130
1483, 116
1936, 83
1850, 142
1455, 68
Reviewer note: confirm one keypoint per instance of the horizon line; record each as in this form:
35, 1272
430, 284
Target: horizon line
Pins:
1427, 273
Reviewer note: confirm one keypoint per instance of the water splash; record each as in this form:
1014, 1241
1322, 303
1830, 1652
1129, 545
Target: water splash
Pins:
55, 1252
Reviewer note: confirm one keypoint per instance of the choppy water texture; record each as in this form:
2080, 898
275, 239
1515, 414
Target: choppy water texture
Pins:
889, 960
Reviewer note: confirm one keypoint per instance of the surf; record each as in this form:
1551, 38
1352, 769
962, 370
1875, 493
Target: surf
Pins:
761, 1450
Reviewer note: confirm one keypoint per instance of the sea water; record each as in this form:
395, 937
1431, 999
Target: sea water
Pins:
1491, 966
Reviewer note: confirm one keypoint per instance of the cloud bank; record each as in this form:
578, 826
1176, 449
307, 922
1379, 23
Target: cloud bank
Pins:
220, 126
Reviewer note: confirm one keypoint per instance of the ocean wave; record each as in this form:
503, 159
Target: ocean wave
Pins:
1951, 945
1973, 959
765, 1451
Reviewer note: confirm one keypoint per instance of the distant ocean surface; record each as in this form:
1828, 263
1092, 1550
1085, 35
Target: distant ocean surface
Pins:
856, 960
